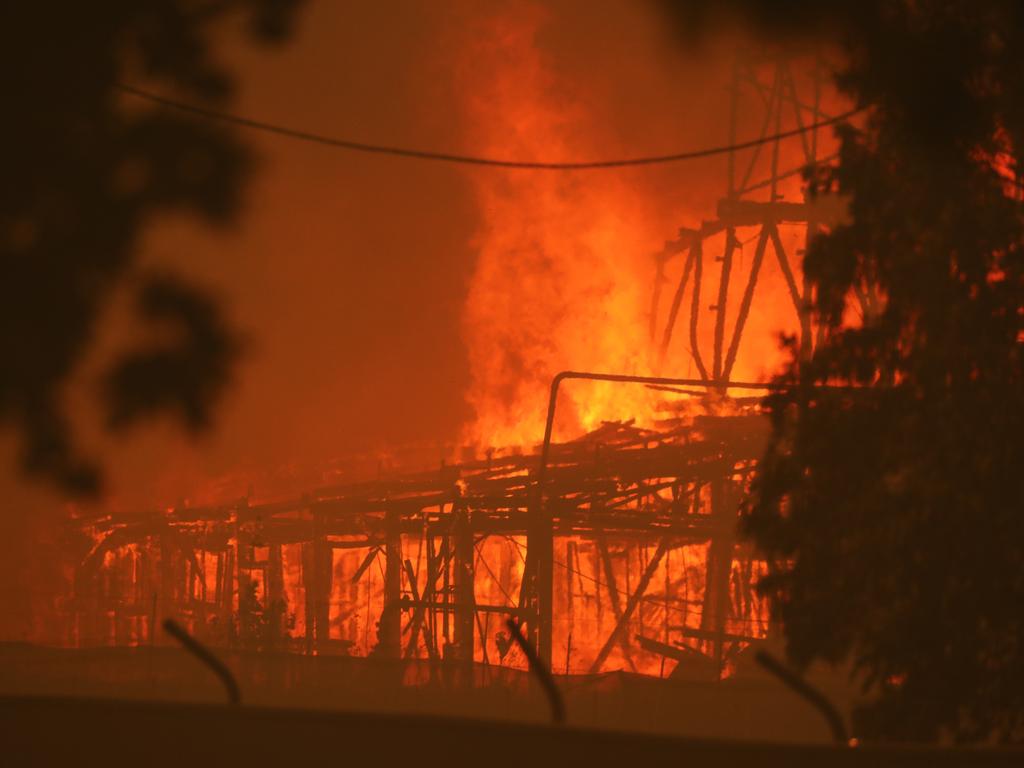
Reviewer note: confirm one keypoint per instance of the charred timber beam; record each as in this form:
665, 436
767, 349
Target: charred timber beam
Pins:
687, 236
719, 565
723, 295
164, 596
698, 261
634, 601
390, 618
682, 653
463, 578
613, 591
365, 564
748, 213
320, 586
787, 272
434, 565
744, 310
673, 313
433, 605
687, 658
703, 634
569, 517
416, 623
828, 209
276, 606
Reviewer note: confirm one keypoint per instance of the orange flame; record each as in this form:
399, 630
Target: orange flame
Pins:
564, 270
557, 283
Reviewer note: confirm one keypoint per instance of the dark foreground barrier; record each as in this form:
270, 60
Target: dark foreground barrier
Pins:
69, 731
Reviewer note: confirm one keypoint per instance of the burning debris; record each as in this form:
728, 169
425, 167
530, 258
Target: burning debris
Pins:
646, 568
616, 550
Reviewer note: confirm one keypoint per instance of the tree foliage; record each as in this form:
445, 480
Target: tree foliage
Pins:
891, 506
84, 172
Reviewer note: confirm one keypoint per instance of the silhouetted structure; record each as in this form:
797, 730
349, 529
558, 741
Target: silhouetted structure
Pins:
416, 555
397, 567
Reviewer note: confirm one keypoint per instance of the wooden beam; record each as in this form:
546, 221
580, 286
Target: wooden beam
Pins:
722, 303
463, 582
634, 601
750, 213
744, 311
390, 617
613, 592
704, 634
673, 313
787, 272
366, 563
418, 626
698, 264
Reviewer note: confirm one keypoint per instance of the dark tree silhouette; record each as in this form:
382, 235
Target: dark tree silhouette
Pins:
891, 508
84, 171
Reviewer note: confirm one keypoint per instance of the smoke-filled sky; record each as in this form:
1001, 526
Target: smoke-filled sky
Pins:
389, 302
379, 296
349, 273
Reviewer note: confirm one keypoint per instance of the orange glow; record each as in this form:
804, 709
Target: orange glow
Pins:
563, 280
564, 269
557, 282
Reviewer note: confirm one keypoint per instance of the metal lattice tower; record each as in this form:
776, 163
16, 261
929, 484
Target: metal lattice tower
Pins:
768, 80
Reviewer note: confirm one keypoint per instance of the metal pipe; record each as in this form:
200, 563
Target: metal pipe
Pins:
541, 672
804, 689
204, 655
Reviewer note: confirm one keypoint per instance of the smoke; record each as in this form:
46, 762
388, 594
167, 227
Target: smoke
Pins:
392, 303
564, 269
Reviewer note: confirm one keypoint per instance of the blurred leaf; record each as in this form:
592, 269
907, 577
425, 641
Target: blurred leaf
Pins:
184, 375
84, 174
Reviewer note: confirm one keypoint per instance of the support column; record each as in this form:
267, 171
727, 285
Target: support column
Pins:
309, 587
226, 615
165, 597
391, 615
719, 565
323, 562
243, 564
539, 578
465, 599
276, 608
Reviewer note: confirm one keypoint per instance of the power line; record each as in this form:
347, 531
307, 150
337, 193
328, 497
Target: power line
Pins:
418, 154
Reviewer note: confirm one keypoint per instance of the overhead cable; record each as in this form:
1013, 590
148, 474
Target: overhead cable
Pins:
446, 157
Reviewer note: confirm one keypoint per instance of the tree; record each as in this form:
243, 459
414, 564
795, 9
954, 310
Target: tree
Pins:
84, 172
890, 500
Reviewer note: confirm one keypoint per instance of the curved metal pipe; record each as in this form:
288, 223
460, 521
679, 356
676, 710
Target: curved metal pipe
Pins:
811, 694
204, 655
541, 672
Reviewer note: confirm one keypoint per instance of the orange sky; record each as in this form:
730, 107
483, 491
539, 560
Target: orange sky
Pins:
349, 274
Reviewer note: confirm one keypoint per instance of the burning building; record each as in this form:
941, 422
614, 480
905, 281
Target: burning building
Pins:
616, 548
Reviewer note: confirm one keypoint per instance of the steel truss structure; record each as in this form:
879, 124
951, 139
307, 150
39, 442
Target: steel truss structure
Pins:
755, 207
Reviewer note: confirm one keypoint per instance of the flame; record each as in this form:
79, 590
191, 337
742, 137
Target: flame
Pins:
564, 267
563, 280
557, 284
